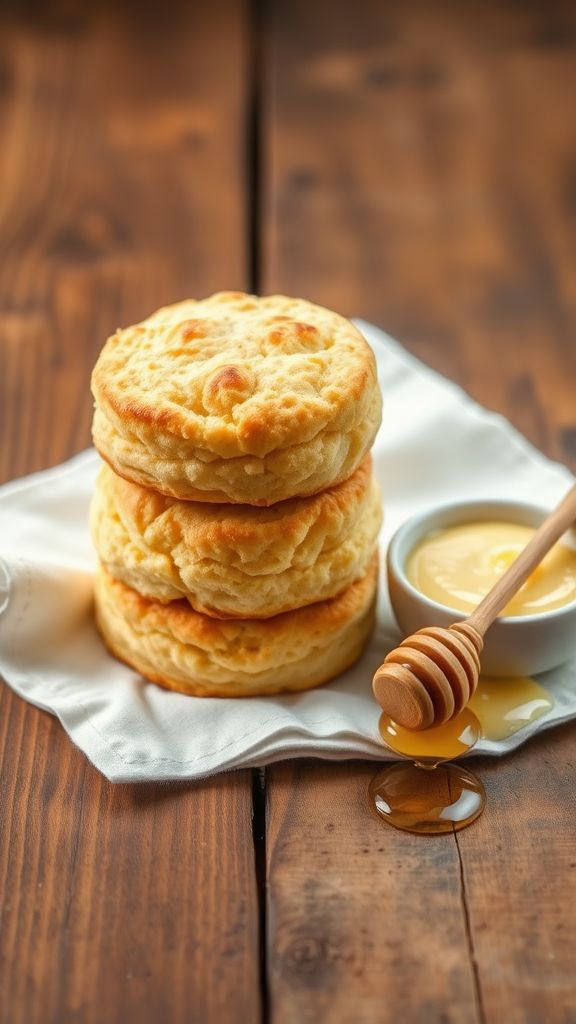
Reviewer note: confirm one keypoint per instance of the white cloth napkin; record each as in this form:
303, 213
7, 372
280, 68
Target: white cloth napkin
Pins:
435, 445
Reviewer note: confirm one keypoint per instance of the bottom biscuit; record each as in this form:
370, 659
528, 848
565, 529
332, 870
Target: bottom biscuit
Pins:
184, 650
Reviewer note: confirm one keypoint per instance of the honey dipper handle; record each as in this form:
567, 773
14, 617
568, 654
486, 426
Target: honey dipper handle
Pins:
545, 537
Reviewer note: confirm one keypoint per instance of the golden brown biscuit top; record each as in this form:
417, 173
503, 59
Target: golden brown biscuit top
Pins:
236, 374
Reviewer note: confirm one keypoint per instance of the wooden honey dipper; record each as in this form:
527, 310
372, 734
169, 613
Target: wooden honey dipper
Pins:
432, 675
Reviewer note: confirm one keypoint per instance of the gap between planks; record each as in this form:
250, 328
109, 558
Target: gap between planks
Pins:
259, 792
254, 127
469, 936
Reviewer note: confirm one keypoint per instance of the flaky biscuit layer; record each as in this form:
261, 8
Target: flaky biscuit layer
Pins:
184, 650
236, 398
237, 561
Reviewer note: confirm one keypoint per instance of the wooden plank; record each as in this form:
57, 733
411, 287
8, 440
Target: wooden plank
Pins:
369, 924
519, 877
121, 188
120, 903
366, 923
419, 171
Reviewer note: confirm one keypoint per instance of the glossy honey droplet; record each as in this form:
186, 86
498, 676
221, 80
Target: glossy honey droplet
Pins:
427, 801
424, 795
431, 746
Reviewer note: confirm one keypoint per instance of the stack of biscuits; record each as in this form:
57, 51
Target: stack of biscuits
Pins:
236, 516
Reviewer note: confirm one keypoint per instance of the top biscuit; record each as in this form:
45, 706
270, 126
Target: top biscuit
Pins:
236, 398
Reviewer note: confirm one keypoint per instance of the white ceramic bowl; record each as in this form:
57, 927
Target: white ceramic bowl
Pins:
514, 646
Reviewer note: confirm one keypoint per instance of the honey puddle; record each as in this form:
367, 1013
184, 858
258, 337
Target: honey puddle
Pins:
426, 795
504, 706
423, 793
499, 708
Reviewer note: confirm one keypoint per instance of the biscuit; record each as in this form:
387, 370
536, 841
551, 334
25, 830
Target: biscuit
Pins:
237, 561
236, 399
184, 650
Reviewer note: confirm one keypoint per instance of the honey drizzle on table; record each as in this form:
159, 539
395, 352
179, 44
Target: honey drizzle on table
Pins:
502, 707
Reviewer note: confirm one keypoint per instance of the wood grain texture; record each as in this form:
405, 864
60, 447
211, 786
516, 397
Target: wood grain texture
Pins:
366, 923
371, 924
120, 903
122, 186
418, 170
519, 878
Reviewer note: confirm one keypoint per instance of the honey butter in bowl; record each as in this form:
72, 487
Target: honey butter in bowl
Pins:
441, 563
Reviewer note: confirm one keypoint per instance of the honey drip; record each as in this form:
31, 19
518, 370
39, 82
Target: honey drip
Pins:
424, 794
429, 747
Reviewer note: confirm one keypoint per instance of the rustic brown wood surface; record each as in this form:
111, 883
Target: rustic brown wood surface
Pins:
122, 187
419, 170
416, 166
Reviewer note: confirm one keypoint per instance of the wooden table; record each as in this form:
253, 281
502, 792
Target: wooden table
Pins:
413, 163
